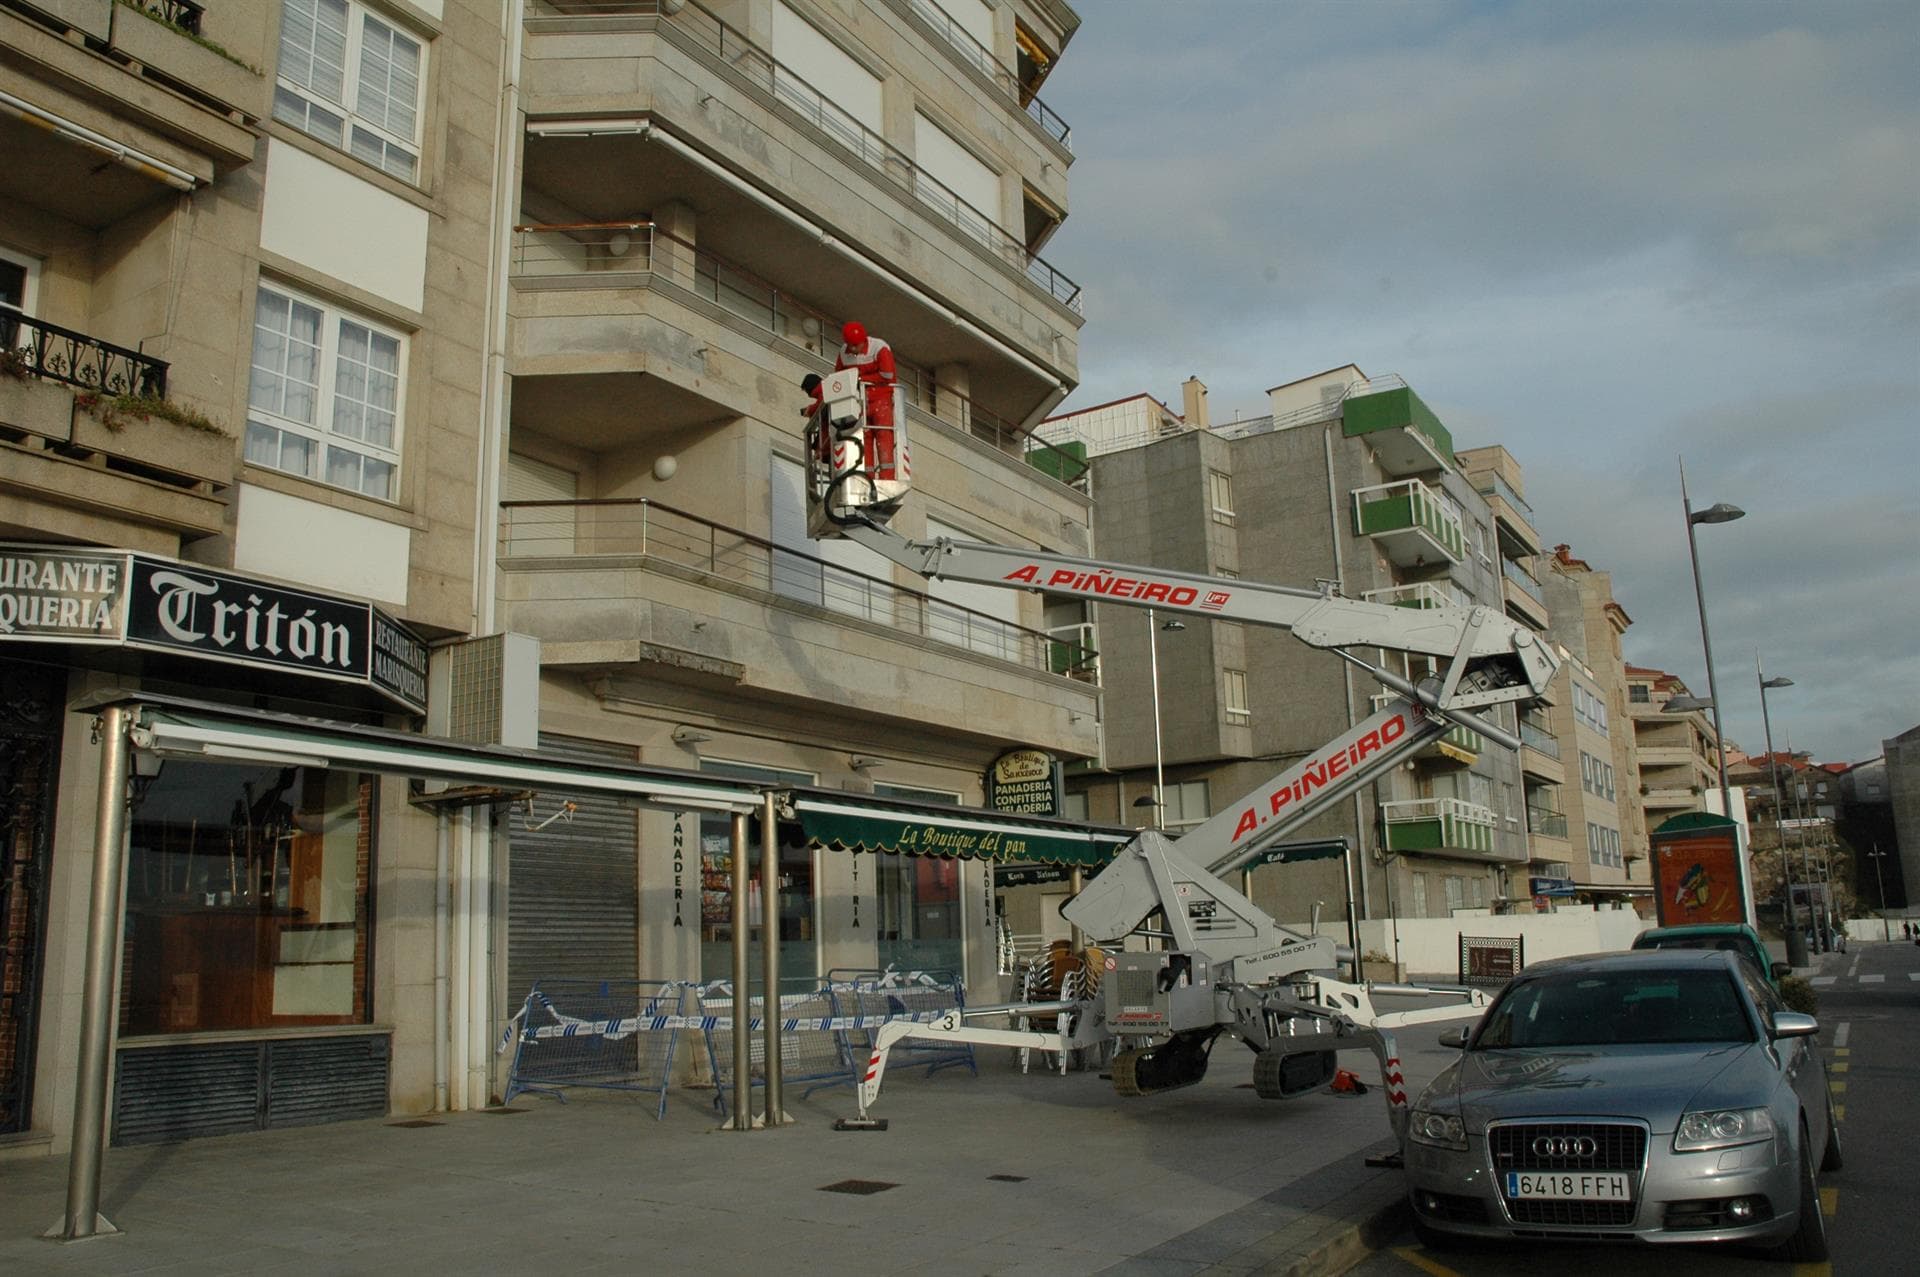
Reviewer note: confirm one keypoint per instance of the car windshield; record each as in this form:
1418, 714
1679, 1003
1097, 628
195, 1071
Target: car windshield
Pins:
1617, 1007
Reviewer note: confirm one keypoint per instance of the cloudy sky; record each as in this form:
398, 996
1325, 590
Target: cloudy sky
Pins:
1607, 235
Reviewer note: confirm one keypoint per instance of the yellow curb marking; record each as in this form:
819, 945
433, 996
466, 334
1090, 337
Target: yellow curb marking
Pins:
1839, 1112
1829, 1202
1813, 1270
1842, 1050
1417, 1257
1838, 1088
1838, 1068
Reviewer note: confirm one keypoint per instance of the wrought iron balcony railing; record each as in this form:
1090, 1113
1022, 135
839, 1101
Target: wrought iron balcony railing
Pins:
37, 348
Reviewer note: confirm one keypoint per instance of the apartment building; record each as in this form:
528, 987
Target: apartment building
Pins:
1350, 480
1611, 860
1677, 752
296, 293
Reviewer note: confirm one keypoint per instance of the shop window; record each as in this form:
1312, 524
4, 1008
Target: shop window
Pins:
917, 899
248, 899
799, 950
351, 80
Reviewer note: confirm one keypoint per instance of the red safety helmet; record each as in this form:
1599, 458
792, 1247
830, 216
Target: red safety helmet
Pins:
854, 333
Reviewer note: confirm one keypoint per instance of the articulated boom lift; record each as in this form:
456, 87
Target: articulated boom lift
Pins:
1225, 968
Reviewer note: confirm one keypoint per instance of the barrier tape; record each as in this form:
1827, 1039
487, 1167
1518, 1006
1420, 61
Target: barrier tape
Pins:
651, 1024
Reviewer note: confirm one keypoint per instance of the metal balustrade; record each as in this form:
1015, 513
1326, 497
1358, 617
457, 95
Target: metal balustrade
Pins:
1524, 579
1552, 824
1539, 738
993, 68
614, 528
794, 93
619, 251
34, 347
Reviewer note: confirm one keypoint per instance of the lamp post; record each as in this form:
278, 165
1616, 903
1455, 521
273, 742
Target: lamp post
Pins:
1877, 855
1796, 939
1153, 670
1720, 512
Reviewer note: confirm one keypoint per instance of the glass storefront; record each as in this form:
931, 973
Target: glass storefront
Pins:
247, 898
918, 899
799, 948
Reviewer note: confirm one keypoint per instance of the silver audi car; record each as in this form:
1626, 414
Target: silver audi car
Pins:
1659, 1095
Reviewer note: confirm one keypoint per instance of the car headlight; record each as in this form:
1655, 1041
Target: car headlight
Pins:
1441, 1130
1722, 1128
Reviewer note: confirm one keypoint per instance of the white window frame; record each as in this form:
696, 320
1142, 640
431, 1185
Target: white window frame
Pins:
1419, 895
1188, 803
1220, 496
294, 99
320, 431
1233, 693
30, 286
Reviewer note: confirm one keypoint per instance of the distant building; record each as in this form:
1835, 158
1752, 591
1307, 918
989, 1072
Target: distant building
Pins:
1902, 758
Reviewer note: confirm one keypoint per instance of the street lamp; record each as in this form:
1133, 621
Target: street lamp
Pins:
1720, 512
1159, 761
1796, 939
1877, 855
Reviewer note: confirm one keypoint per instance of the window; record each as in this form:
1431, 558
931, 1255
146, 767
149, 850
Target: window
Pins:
1234, 688
1220, 491
351, 80
1074, 807
1419, 895
1186, 803
324, 399
1477, 892
798, 949
19, 281
1456, 893
916, 899
1640, 694
248, 898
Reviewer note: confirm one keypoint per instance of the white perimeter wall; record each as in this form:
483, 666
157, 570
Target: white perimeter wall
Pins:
1431, 946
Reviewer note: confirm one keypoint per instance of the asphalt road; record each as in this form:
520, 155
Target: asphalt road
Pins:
1869, 1011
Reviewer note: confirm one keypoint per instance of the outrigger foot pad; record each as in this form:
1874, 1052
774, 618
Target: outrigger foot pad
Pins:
861, 1124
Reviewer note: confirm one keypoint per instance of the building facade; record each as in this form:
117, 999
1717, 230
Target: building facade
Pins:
1351, 481
442, 319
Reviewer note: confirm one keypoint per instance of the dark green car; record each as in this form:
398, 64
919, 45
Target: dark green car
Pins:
1733, 936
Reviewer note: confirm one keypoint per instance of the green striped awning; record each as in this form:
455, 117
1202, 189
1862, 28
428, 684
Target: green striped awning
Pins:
839, 823
1289, 853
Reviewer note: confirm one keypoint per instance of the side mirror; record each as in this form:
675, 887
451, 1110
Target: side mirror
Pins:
1792, 1024
1456, 1038
1781, 970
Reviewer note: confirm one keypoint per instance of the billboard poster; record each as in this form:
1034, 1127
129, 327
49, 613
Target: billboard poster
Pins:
1696, 875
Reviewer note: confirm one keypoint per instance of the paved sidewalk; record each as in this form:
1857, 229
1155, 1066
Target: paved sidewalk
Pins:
1000, 1174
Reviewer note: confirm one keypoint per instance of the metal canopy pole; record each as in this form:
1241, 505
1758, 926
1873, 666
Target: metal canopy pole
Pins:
770, 952
83, 1218
742, 1056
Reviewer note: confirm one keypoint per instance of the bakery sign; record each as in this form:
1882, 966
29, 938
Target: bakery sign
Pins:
139, 601
1026, 781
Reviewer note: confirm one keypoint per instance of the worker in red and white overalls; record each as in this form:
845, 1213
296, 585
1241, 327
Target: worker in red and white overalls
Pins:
873, 360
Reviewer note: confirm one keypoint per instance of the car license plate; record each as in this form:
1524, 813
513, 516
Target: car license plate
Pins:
1587, 1186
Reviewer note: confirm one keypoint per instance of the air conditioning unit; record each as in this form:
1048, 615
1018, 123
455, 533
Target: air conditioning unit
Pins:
486, 691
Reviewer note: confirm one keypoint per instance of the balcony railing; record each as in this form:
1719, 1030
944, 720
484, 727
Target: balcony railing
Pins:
1433, 824
1539, 738
981, 58
791, 91
1553, 824
1491, 484
30, 346
1395, 510
615, 252
580, 531
1524, 579
1420, 594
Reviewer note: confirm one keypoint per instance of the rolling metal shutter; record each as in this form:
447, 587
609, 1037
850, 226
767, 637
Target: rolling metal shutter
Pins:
163, 1094
573, 909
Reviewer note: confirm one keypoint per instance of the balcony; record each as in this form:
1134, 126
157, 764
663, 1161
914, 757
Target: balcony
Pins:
677, 374
976, 55
1410, 523
1459, 744
113, 110
1549, 824
94, 452
1513, 517
1421, 595
635, 588
1438, 825
630, 111
1403, 432
1523, 595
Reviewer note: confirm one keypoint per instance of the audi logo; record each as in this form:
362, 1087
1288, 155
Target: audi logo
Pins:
1565, 1146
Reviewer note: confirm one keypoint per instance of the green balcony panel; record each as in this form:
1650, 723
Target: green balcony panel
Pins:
1407, 511
1399, 410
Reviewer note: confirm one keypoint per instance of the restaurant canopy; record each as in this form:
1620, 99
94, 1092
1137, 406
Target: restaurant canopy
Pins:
838, 821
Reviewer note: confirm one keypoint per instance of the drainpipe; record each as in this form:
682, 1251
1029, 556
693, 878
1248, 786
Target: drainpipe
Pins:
494, 416
479, 960
1346, 675
440, 956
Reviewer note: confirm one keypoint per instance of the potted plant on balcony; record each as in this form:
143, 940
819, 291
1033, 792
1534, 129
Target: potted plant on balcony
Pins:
153, 432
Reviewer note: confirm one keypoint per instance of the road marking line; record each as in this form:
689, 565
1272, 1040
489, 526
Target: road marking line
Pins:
1830, 1202
1873, 979
1913, 975
1415, 1256
1855, 965
1838, 1088
1839, 1067
1840, 1032
1822, 981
